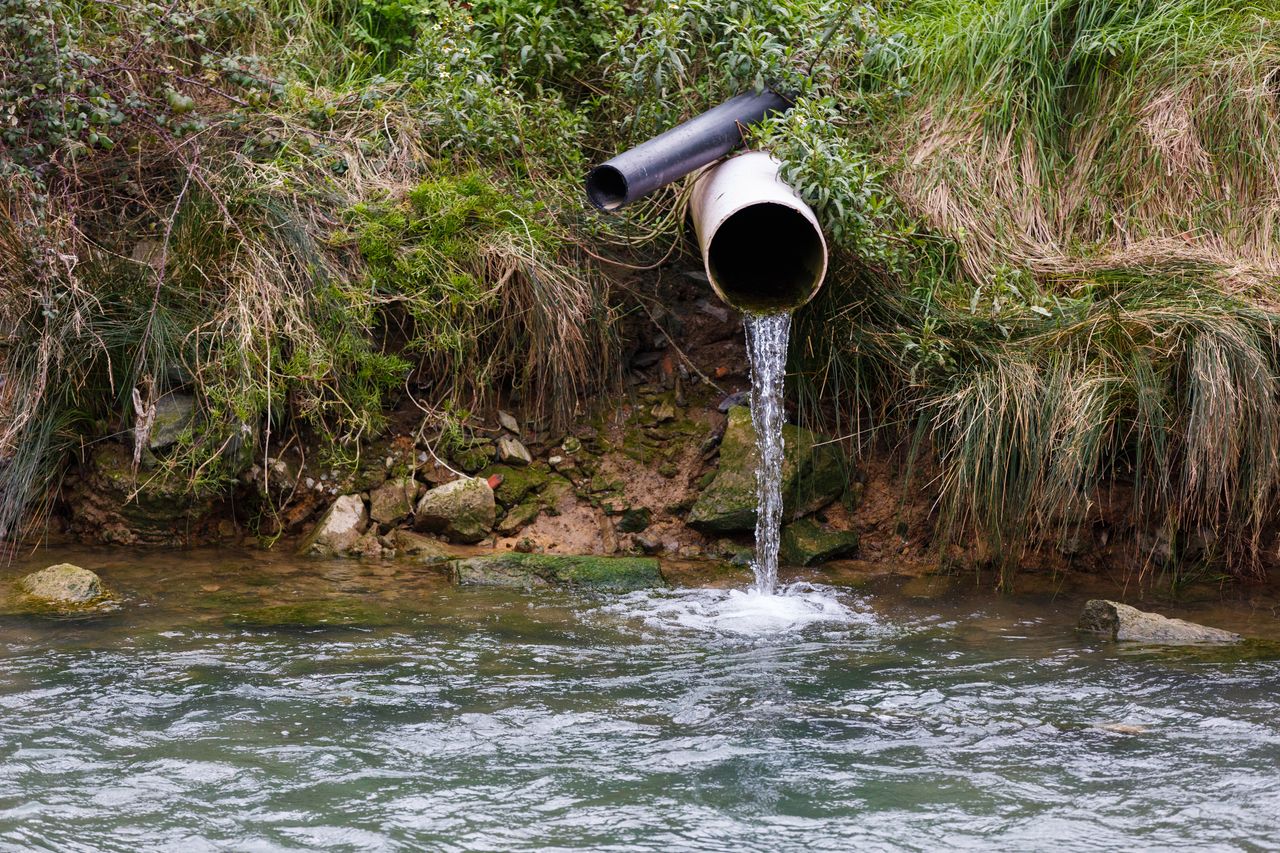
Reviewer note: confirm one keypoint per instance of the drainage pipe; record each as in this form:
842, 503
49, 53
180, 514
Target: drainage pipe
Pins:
670, 156
761, 244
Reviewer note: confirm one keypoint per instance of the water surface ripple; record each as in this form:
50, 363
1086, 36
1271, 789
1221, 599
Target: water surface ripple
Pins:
646, 722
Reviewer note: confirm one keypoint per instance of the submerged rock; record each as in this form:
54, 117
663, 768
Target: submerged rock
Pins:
813, 475
393, 500
1118, 621
63, 583
339, 530
418, 548
464, 510
609, 574
311, 615
806, 543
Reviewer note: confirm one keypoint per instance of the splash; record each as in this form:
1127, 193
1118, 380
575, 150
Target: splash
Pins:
767, 336
745, 612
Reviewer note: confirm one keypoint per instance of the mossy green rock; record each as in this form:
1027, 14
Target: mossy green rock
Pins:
520, 515
63, 583
813, 475
806, 543
517, 482
526, 571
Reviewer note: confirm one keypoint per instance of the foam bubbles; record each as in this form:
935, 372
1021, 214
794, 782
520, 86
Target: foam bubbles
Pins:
739, 612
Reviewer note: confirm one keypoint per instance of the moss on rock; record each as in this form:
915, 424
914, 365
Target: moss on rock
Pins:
806, 543
608, 574
813, 475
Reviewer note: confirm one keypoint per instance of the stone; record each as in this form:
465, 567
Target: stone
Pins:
520, 515
514, 483
1118, 621
572, 445
475, 457
806, 542
526, 571
367, 547
464, 510
509, 423
175, 413
418, 548
813, 475
635, 520
512, 452
393, 500
663, 411
339, 529
63, 583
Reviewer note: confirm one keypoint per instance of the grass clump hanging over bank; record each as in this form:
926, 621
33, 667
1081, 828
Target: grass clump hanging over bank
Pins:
1056, 222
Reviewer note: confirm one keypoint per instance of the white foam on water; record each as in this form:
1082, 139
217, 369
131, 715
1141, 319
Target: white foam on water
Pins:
741, 612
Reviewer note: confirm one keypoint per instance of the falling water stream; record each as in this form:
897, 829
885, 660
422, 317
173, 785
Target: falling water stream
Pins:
767, 336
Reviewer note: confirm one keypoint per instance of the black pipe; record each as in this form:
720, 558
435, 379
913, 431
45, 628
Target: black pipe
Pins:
670, 156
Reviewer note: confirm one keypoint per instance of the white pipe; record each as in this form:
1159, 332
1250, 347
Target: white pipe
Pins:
761, 244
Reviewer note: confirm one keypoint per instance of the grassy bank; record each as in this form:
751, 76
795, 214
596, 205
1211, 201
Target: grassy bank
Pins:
1058, 247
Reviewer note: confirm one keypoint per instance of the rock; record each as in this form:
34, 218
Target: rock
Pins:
608, 574
419, 548
511, 451
63, 583
509, 423
663, 411
812, 477
1118, 621
472, 459
572, 445
734, 400
368, 546
463, 510
393, 500
520, 515
806, 543
515, 484
635, 520
339, 529
174, 413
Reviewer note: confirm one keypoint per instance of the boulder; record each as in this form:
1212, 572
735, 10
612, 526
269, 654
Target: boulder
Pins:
463, 510
339, 530
813, 475
635, 520
526, 571
806, 542
1117, 621
393, 500
63, 583
512, 452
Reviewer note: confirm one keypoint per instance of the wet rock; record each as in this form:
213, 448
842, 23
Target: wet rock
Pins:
472, 459
509, 423
368, 546
418, 548
393, 500
515, 484
174, 414
526, 571
464, 510
63, 583
734, 400
339, 529
813, 475
807, 543
635, 520
512, 452
1118, 621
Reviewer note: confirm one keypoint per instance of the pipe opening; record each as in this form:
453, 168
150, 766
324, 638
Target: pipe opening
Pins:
766, 257
607, 187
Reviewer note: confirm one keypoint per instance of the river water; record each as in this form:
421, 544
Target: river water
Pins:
204, 715
767, 336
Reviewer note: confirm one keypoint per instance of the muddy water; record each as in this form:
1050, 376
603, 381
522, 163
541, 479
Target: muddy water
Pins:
207, 713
